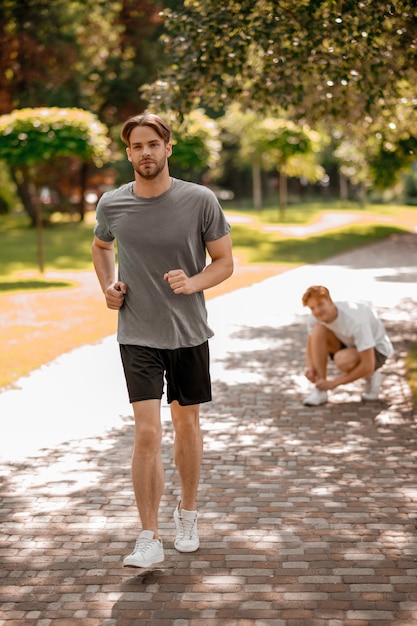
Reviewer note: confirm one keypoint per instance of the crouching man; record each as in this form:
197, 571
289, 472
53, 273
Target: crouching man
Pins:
352, 336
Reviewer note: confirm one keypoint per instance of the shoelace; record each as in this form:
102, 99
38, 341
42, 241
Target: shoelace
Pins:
187, 528
142, 545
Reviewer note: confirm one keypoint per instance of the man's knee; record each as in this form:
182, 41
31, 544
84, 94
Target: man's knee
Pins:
319, 332
346, 359
148, 429
148, 437
185, 419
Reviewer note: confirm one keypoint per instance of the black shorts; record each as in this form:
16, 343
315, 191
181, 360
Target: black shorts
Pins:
379, 359
342, 347
187, 373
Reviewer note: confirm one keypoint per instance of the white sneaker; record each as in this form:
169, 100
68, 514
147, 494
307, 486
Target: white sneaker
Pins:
147, 551
316, 398
373, 385
186, 538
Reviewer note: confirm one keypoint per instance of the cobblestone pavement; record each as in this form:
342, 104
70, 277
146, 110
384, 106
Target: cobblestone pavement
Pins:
307, 516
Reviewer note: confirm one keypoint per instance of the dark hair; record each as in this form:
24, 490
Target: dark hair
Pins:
146, 119
316, 291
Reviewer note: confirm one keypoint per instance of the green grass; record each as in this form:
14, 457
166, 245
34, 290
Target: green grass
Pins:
67, 246
259, 247
307, 212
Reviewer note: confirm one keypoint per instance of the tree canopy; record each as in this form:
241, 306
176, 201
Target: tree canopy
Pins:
349, 66
196, 146
318, 58
78, 53
29, 136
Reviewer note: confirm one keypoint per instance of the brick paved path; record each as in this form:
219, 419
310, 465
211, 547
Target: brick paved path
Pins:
307, 515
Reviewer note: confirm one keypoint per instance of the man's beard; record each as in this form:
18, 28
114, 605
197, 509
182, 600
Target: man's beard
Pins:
151, 170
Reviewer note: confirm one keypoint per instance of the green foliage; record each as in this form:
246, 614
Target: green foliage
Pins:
196, 146
384, 167
87, 54
276, 142
353, 62
7, 196
351, 157
396, 151
38, 48
316, 58
270, 143
29, 136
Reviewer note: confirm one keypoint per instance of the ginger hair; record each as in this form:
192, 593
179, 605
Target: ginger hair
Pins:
316, 291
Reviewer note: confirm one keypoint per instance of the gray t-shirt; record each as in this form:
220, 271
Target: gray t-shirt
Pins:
155, 235
357, 325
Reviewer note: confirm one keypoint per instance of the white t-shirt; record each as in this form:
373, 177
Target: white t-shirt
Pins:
357, 325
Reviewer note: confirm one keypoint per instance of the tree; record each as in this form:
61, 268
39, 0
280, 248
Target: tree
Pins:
30, 137
394, 146
387, 164
315, 58
77, 53
124, 54
376, 151
38, 48
273, 142
196, 145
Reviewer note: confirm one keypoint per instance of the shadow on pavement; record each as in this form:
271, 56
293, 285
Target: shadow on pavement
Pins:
303, 511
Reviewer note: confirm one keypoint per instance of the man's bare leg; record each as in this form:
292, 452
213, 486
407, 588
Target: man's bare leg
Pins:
188, 451
322, 343
147, 467
347, 359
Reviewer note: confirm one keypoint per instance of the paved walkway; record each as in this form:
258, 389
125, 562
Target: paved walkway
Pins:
307, 515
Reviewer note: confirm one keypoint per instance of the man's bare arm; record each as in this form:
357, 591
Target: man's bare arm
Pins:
220, 268
105, 266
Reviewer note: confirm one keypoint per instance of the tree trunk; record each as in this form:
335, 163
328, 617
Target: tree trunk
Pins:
362, 195
343, 187
39, 234
83, 188
282, 195
20, 177
256, 184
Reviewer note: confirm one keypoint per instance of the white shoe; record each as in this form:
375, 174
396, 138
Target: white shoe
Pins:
186, 538
147, 551
316, 398
373, 385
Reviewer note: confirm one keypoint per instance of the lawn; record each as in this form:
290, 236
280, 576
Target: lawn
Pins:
261, 239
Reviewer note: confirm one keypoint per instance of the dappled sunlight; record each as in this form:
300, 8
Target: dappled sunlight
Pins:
322, 485
286, 496
409, 492
302, 510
